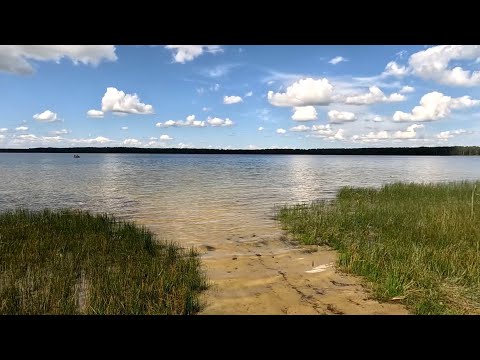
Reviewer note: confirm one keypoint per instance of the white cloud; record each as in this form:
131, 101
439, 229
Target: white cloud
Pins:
304, 113
165, 138
95, 113
260, 128
432, 64
206, 108
232, 99
117, 101
300, 128
218, 71
97, 140
408, 134
184, 53
252, 147
22, 128
336, 116
3, 130
394, 69
183, 145
200, 91
2, 137
190, 121
337, 59
248, 94
16, 58
377, 118
407, 89
219, 122
435, 106
132, 142
303, 93
60, 132
445, 135
281, 131
327, 132
215, 87
124, 128
46, 116
374, 95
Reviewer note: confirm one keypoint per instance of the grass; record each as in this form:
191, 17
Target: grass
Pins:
72, 262
414, 243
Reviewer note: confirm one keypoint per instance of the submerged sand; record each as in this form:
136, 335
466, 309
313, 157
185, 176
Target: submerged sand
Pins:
272, 275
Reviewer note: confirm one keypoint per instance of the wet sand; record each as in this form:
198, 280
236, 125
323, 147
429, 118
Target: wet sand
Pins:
272, 275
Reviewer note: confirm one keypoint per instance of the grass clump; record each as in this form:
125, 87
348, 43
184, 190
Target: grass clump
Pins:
415, 242
73, 262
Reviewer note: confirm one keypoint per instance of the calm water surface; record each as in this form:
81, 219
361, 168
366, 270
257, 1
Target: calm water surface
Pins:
200, 199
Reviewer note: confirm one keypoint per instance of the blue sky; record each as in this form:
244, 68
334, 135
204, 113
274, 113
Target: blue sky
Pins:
239, 96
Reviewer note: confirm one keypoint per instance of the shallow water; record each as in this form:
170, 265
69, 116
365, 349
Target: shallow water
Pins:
205, 199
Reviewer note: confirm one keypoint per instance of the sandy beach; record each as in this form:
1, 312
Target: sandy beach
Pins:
272, 275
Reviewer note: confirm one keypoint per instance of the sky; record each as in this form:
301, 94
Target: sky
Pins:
239, 96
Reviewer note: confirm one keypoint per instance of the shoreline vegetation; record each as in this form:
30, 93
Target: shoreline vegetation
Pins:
75, 262
416, 244
408, 151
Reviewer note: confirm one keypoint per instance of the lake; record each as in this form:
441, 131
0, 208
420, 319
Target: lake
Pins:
198, 199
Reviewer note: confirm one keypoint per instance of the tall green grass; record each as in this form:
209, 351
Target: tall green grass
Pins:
71, 262
417, 243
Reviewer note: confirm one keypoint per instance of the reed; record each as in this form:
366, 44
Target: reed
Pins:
74, 262
414, 243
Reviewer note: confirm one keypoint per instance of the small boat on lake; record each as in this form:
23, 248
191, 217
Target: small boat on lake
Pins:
76, 156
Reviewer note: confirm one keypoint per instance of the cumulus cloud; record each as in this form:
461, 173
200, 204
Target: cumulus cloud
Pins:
281, 131
22, 128
190, 121
34, 140
248, 94
219, 122
124, 128
394, 69
132, 142
184, 53
303, 93
336, 116
407, 89
304, 113
60, 132
97, 140
445, 135
46, 116
117, 101
232, 99
17, 58
327, 132
374, 95
433, 64
260, 128
408, 134
337, 59
3, 130
95, 113
435, 106
165, 138
300, 128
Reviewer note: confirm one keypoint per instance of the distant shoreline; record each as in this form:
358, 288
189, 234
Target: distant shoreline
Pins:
420, 151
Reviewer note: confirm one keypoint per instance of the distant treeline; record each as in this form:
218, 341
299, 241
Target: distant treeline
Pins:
438, 151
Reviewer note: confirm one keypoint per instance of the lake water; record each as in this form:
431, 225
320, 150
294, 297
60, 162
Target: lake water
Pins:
198, 199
